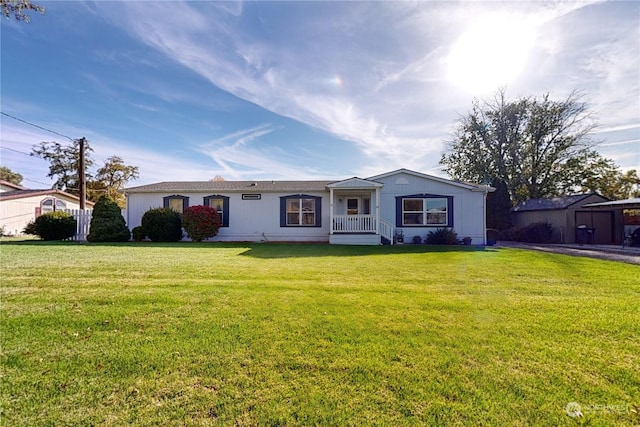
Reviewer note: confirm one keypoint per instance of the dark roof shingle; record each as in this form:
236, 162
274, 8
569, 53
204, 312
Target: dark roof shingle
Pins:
230, 186
552, 203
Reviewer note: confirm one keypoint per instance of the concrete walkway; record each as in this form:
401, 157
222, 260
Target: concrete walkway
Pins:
626, 254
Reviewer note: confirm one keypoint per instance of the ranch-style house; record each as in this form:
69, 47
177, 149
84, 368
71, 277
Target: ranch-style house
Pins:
356, 211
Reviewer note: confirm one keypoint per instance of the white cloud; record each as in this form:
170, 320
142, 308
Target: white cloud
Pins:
375, 76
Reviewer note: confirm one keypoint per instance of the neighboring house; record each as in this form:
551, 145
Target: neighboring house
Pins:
20, 205
568, 216
352, 211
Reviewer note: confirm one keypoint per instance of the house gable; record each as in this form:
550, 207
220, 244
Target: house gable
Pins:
403, 177
355, 182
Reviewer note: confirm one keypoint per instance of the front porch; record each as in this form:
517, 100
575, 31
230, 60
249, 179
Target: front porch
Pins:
355, 213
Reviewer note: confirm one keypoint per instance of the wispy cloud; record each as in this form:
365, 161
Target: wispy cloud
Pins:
372, 76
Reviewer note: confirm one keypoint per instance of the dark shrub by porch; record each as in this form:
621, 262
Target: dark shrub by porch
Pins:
107, 223
162, 225
442, 236
201, 222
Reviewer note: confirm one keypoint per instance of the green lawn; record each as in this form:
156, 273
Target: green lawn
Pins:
275, 334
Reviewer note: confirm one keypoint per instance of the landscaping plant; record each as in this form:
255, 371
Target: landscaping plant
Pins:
201, 222
55, 226
442, 236
162, 225
107, 223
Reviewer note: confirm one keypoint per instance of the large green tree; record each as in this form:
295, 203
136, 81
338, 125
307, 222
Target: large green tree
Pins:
536, 146
8, 175
19, 9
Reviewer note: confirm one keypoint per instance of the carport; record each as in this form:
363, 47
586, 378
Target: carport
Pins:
617, 205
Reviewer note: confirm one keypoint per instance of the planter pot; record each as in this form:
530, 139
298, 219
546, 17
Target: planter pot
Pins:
466, 241
417, 240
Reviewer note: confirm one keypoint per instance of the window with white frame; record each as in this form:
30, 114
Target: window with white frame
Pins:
50, 204
424, 210
300, 211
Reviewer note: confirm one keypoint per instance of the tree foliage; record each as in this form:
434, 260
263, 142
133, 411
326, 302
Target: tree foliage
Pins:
604, 177
536, 146
499, 207
8, 175
107, 223
64, 165
112, 177
19, 9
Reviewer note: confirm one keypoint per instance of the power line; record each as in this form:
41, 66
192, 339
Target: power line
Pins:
15, 151
36, 126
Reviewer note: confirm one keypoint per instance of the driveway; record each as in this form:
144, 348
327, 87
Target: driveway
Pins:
627, 254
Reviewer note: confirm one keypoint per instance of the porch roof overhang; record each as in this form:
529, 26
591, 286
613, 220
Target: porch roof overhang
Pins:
355, 183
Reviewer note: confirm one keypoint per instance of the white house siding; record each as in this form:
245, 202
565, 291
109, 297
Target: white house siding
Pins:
249, 220
15, 214
468, 206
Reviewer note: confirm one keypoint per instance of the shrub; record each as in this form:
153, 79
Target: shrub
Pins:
107, 223
201, 222
138, 233
30, 228
162, 225
442, 236
537, 232
55, 226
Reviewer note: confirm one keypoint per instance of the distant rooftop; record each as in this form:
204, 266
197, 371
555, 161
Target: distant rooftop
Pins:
552, 203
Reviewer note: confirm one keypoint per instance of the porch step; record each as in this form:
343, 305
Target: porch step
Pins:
354, 239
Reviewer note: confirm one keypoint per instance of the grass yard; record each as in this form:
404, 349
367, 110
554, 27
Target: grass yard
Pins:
275, 334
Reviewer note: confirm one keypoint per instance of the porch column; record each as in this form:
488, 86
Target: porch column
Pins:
331, 210
377, 210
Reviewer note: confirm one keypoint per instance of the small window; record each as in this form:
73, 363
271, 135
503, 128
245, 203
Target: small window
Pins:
220, 204
300, 211
176, 203
50, 205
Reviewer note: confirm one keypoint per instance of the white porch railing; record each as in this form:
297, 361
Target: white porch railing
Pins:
354, 224
386, 230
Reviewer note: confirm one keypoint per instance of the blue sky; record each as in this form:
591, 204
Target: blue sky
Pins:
302, 90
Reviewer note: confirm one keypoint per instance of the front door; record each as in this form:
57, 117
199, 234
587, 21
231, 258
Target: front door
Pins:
353, 204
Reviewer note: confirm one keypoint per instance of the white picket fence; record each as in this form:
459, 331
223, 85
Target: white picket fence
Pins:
83, 217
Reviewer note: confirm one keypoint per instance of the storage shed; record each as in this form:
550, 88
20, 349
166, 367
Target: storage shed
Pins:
572, 222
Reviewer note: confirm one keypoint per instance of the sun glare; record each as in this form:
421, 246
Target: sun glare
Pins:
491, 53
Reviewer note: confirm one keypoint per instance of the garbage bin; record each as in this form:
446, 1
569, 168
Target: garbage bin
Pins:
584, 234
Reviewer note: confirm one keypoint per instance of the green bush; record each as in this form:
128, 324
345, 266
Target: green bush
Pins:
138, 233
30, 228
55, 226
537, 232
442, 236
162, 225
201, 222
107, 223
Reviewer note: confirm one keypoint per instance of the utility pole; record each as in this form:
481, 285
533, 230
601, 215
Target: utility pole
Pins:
82, 174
